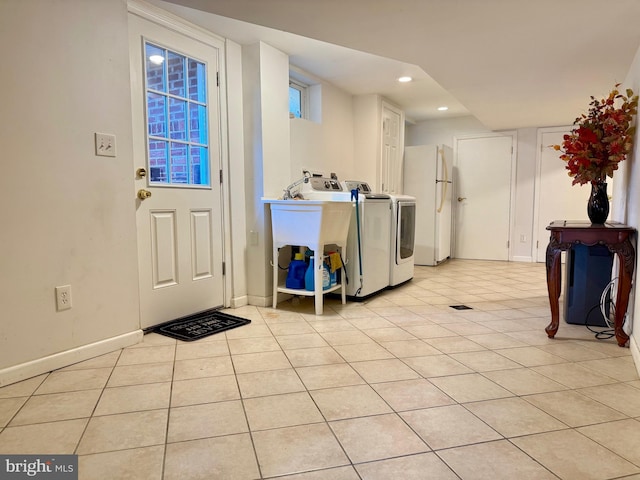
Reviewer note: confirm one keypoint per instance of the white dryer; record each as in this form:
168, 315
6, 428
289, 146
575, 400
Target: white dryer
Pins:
403, 234
368, 243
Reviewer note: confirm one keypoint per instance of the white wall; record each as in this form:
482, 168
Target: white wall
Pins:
68, 216
325, 145
629, 182
367, 114
522, 232
267, 155
433, 132
337, 122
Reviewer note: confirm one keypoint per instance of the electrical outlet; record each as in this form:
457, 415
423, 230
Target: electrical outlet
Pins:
523, 238
105, 144
63, 297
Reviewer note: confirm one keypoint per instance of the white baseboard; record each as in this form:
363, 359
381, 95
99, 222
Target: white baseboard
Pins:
238, 302
260, 301
33, 368
522, 259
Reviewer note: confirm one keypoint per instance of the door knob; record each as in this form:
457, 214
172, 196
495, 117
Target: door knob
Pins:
141, 172
460, 199
143, 194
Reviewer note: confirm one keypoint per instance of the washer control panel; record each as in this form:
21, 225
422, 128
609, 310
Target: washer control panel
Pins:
363, 187
323, 184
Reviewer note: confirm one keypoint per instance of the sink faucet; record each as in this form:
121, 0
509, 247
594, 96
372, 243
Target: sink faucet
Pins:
288, 192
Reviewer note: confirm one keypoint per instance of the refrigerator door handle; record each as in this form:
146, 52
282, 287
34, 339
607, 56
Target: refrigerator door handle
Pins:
444, 164
443, 196
446, 182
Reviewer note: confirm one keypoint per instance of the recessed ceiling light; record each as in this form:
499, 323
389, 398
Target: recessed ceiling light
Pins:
443, 109
156, 59
405, 79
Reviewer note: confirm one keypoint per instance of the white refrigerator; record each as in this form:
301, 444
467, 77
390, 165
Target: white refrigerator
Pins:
428, 177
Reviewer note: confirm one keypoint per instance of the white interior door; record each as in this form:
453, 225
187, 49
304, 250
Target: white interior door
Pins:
556, 198
176, 135
392, 141
483, 197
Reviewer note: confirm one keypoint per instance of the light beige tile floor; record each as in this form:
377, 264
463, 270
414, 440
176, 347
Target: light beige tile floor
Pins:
400, 386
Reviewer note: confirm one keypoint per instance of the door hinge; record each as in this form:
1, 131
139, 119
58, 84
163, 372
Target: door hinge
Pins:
220, 176
537, 244
508, 242
217, 79
224, 268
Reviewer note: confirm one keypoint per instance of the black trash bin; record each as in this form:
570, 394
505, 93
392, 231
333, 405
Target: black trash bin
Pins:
588, 274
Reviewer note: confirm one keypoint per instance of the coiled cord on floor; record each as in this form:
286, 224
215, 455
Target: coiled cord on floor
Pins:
609, 331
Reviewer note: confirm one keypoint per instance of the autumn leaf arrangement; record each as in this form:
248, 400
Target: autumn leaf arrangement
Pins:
601, 138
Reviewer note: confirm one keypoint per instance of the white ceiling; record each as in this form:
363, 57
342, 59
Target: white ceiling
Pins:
510, 63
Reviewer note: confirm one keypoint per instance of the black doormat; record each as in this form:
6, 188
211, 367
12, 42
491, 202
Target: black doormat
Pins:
200, 325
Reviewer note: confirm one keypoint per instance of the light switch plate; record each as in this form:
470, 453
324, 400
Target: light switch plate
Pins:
105, 144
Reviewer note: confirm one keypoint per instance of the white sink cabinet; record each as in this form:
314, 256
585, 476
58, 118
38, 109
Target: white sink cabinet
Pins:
314, 224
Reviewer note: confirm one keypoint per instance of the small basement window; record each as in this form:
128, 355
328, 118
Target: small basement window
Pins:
298, 99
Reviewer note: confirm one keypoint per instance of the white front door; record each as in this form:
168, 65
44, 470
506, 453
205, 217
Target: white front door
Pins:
556, 198
483, 185
176, 135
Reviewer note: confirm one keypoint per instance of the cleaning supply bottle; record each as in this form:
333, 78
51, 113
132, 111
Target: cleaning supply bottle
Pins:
309, 281
297, 269
333, 274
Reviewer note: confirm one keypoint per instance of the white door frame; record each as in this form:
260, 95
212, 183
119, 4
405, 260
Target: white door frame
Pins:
177, 24
537, 186
512, 193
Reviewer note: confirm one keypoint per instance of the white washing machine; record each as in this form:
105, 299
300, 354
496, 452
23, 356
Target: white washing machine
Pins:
368, 253
403, 229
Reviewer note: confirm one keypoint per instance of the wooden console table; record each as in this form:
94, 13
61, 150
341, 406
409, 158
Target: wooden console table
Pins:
617, 237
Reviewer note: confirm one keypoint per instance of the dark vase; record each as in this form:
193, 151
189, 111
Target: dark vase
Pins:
598, 206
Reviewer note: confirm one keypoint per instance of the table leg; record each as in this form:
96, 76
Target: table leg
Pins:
626, 257
553, 286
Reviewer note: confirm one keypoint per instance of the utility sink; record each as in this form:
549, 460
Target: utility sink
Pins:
313, 224
310, 222
340, 196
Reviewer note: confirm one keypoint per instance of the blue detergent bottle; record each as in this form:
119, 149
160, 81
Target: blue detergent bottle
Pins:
309, 282
297, 270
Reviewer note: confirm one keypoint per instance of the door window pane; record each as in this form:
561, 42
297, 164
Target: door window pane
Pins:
199, 164
197, 87
158, 160
177, 117
198, 123
179, 164
176, 75
177, 113
155, 57
156, 115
